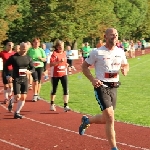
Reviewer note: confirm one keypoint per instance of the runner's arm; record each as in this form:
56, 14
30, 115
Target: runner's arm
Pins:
86, 71
31, 66
7, 63
124, 69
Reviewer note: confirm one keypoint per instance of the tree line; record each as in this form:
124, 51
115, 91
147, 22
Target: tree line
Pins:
73, 20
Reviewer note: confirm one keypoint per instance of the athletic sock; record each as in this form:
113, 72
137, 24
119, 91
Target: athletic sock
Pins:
10, 91
52, 102
115, 148
20, 104
65, 104
6, 94
12, 100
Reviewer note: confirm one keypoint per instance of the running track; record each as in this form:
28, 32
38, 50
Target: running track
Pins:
42, 129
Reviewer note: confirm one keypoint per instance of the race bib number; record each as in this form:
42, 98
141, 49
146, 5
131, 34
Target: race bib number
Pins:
22, 72
111, 75
61, 67
36, 63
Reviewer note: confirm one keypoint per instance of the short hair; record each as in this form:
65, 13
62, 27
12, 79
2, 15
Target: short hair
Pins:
36, 39
23, 44
57, 43
108, 30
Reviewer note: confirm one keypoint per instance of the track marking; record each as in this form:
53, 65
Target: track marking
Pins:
68, 130
13, 144
88, 135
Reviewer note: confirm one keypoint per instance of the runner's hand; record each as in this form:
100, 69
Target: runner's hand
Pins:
39, 58
10, 79
28, 72
96, 83
62, 60
125, 69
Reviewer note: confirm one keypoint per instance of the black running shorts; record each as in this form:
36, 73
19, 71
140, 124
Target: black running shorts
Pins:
106, 97
20, 86
5, 81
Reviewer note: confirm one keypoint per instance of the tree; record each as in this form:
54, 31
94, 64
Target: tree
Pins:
128, 13
8, 13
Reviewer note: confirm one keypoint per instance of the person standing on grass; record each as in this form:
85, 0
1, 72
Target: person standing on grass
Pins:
108, 60
58, 64
22, 66
132, 49
8, 87
86, 50
143, 44
39, 57
69, 54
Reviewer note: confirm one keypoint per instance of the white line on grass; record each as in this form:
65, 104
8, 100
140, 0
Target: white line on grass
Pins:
90, 136
13, 144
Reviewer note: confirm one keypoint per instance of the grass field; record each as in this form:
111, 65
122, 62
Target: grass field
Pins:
133, 102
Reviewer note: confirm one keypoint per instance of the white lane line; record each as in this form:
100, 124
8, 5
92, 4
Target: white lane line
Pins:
90, 136
13, 144
1, 90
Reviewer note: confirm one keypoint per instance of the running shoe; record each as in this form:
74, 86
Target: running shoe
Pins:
5, 101
10, 105
52, 107
73, 68
67, 108
17, 116
35, 98
30, 87
38, 97
46, 78
84, 124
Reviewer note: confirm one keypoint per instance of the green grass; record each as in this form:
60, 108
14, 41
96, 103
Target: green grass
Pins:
133, 102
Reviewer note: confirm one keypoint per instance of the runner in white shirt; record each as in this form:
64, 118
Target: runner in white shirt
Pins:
107, 60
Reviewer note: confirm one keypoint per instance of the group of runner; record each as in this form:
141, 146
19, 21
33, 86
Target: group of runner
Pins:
23, 68
29, 61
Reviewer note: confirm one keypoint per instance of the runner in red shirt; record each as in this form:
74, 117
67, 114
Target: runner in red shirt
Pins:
58, 64
5, 54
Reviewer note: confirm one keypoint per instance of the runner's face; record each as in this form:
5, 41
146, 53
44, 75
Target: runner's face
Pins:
17, 48
59, 48
36, 44
112, 37
24, 48
9, 46
43, 46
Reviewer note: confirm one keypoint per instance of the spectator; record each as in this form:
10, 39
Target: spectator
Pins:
86, 50
143, 44
69, 54
132, 49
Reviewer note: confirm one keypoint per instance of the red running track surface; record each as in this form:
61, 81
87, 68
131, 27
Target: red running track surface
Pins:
42, 129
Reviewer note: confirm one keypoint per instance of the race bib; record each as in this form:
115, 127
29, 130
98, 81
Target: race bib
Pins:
22, 72
36, 63
61, 67
110, 75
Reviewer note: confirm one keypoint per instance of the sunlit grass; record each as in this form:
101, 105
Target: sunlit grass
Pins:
133, 102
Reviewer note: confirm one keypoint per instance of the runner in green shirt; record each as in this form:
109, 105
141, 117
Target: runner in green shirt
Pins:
86, 50
38, 55
143, 43
125, 45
